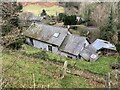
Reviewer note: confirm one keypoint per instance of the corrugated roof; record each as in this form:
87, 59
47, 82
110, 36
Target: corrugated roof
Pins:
99, 44
94, 47
73, 44
45, 33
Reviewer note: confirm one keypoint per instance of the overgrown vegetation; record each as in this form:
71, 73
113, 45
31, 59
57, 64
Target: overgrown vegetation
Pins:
109, 31
11, 33
10, 12
70, 20
17, 44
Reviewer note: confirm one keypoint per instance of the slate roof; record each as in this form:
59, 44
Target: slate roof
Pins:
94, 47
45, 33
73, 44
36, 18
88, 51
99, 44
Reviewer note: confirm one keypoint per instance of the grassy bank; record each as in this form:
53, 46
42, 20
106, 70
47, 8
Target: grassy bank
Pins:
20, 71
101, 66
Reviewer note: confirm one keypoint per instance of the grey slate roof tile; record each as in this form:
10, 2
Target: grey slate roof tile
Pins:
45, 33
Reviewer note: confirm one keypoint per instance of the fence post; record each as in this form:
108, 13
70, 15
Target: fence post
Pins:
107, 81
64, 69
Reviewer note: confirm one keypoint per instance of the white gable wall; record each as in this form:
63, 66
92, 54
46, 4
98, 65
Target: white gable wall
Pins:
28, 41
42, 45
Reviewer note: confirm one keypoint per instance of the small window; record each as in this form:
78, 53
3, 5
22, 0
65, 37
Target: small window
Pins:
106, 42
31, 41
56, 35
69, 57
50, 48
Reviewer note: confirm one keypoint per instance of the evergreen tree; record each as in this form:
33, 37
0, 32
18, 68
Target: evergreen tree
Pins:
109, 30
70, 20
43, 13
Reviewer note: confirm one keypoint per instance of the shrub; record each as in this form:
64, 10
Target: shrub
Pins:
17, 44
43, 13
42, 55
70, 20
61, 16
6, 29
119, 35
118, 47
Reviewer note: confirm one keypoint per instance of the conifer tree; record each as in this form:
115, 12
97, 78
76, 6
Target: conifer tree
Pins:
109, 30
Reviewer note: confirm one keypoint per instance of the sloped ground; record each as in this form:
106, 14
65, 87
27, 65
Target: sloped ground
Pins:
100, 67
21, 71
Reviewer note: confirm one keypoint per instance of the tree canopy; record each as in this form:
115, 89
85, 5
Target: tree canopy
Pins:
10, 13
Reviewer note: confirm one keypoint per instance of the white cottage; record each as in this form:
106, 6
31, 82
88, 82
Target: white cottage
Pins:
55, 39
45, 37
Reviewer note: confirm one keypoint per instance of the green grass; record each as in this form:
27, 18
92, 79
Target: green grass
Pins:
37, 9
27, 69
101, 66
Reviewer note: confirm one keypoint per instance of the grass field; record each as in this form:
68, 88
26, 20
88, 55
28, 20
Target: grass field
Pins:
20, 71
37, 9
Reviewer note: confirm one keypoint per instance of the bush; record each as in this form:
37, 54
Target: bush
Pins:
42, 55
70, 20
61, 16
16, 45
119, 35
43, 13
118, 47
6, 29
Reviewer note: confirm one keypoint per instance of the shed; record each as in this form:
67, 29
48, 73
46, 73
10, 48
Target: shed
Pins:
98, 47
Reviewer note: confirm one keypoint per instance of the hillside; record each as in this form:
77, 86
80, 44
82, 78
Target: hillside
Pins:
39, 61
21, 69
